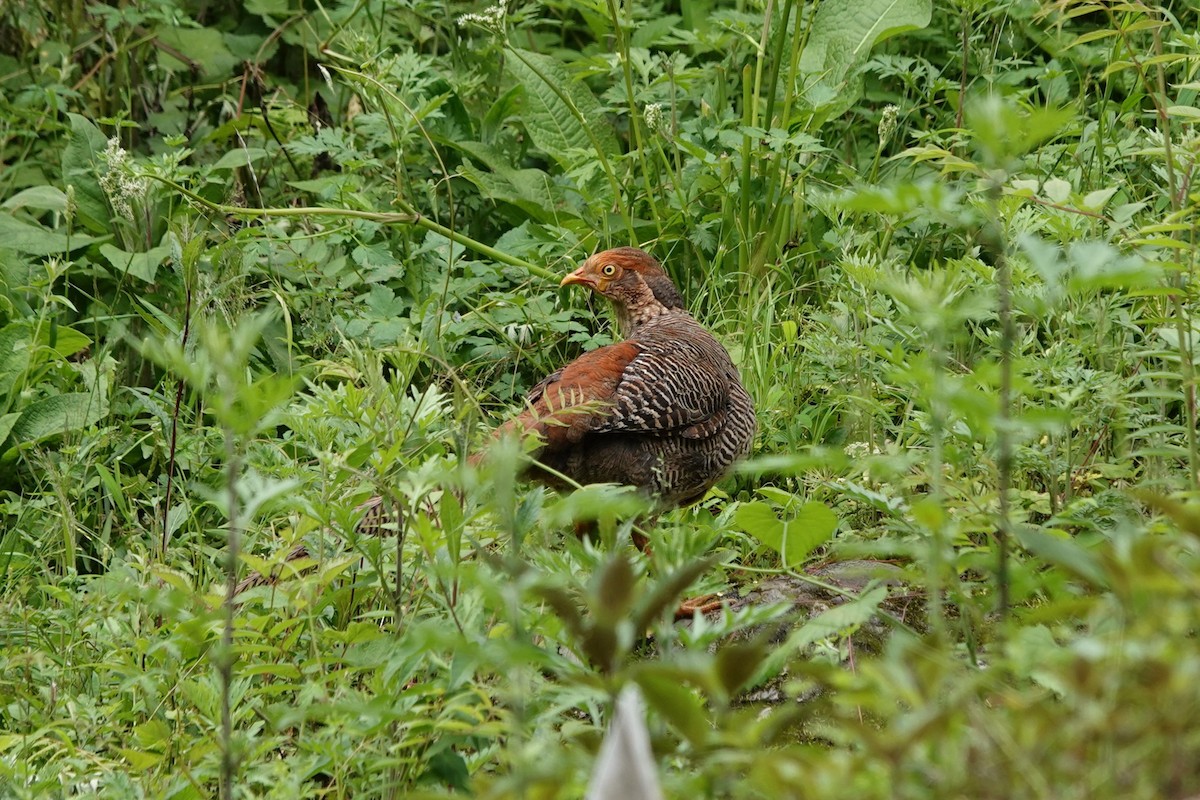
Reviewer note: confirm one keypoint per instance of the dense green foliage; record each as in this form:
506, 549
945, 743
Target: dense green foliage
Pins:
260, 262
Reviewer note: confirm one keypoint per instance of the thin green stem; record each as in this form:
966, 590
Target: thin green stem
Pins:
409, 217
635, 124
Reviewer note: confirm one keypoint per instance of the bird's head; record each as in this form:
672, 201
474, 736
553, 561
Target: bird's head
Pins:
628, 277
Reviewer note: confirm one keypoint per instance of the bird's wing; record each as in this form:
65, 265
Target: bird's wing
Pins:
674, 386
653, 388
571, 401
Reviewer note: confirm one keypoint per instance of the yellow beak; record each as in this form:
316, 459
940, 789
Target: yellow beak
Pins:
579, 276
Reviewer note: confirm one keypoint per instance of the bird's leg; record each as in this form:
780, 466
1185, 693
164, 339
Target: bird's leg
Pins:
705, 603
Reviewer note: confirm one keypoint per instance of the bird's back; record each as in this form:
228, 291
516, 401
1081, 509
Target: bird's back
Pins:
676, 420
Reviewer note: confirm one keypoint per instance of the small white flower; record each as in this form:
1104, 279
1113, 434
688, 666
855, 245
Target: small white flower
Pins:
857, 449
887, 123
653, 114
119, 181
491, 18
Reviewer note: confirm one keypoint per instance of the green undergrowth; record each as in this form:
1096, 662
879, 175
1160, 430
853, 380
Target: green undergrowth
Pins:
264, 266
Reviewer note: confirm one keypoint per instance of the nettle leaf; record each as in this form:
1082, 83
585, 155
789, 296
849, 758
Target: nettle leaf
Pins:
558, 107
843, 33
793, 539
19, 353
241, 157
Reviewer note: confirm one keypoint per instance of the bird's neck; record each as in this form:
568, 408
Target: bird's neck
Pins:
633, 317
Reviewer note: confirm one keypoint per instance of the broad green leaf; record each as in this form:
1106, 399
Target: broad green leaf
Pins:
1189, 113
60, 413
1064, 552
839, 620
615, 589
19, 353
557, 108
7, 421
675, 701
240, 158
794, 539
43, 198
843, 33
82, 161
737, 662
205, 48
35, 240
142, 266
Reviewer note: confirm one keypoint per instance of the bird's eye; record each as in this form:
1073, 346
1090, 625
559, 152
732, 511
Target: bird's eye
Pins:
608, 270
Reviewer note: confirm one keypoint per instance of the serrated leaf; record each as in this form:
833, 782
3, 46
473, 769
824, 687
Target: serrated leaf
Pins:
7, 421
1190, 113
1064, 552
1057, 190
614, 589
839, 620
240, 158
557, 108
736, 663
1097, 200
43, 198
19, 353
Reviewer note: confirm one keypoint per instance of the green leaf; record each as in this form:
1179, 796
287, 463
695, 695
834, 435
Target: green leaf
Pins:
142, 266
1064, 552
843, 33
240, 158
80, 164
674, 701
837, 621
19, 353
737, 662
793, 540
43, 198
58, 414
204, 47
557, 107
36, 240
615, 589
7, 421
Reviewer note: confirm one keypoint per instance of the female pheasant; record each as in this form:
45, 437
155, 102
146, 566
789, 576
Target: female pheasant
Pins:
663, 410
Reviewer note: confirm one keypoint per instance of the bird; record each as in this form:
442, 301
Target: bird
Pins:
663, 410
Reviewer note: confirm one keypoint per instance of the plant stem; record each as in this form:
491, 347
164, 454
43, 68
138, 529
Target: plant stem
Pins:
410, 217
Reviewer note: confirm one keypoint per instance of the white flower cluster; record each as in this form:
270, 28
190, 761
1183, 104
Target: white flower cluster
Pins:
119, 181
887, 123
491, 18
653, 114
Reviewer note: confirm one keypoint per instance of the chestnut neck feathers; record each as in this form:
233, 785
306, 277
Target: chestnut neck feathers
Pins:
633, 281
